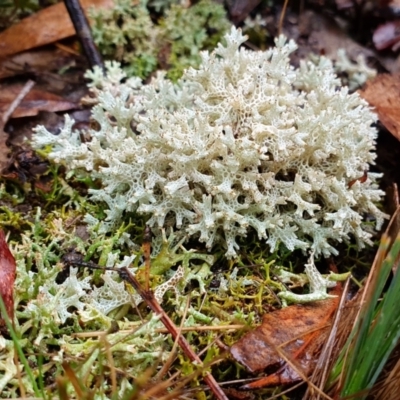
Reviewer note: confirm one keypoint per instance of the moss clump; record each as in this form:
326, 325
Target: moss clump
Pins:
127, 33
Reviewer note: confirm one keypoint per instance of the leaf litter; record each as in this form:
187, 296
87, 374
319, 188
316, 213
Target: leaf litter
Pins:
295, 334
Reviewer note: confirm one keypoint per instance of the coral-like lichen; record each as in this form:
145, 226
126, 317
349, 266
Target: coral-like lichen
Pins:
244, 142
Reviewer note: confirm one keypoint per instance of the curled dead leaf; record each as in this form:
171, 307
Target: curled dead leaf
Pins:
288, 339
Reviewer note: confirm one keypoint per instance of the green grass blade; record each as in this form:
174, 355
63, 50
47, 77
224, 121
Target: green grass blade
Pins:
21, 354
378, 330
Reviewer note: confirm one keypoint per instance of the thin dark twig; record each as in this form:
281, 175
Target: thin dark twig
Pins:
84, 33
146, 246
152, 303
148, 297
172, 356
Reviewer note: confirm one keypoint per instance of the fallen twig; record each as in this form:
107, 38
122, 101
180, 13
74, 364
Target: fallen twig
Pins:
84, 33
4, 161
148, 297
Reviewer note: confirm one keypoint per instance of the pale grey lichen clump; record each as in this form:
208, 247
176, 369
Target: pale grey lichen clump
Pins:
246, 141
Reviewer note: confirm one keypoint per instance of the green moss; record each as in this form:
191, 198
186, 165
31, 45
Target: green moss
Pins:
12, 11
129, 34
187, 31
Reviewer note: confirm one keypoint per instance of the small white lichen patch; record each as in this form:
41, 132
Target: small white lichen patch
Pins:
244, 142
318, 284
54, 300
357, 72
100, 301
142, 346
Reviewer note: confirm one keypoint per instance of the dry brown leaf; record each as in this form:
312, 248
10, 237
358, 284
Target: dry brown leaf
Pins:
36, 100
35, 62
294, 334
383, 93
46, 26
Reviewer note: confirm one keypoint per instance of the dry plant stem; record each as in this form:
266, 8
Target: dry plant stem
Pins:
83, 32
344, 330
148, 297
67, 49
17, 101
165, 330
392, 194
73, 379
390, 387
361, 302
373, 277
111, 364
280, 394
170, 360
178, 386
163, 386
205, 349
61, 382
282, 16
146, 253
324, 360
394, 225
19, 375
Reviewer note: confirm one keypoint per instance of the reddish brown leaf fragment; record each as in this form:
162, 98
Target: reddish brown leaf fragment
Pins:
362, 179
383, 93
297, 332
7, 276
